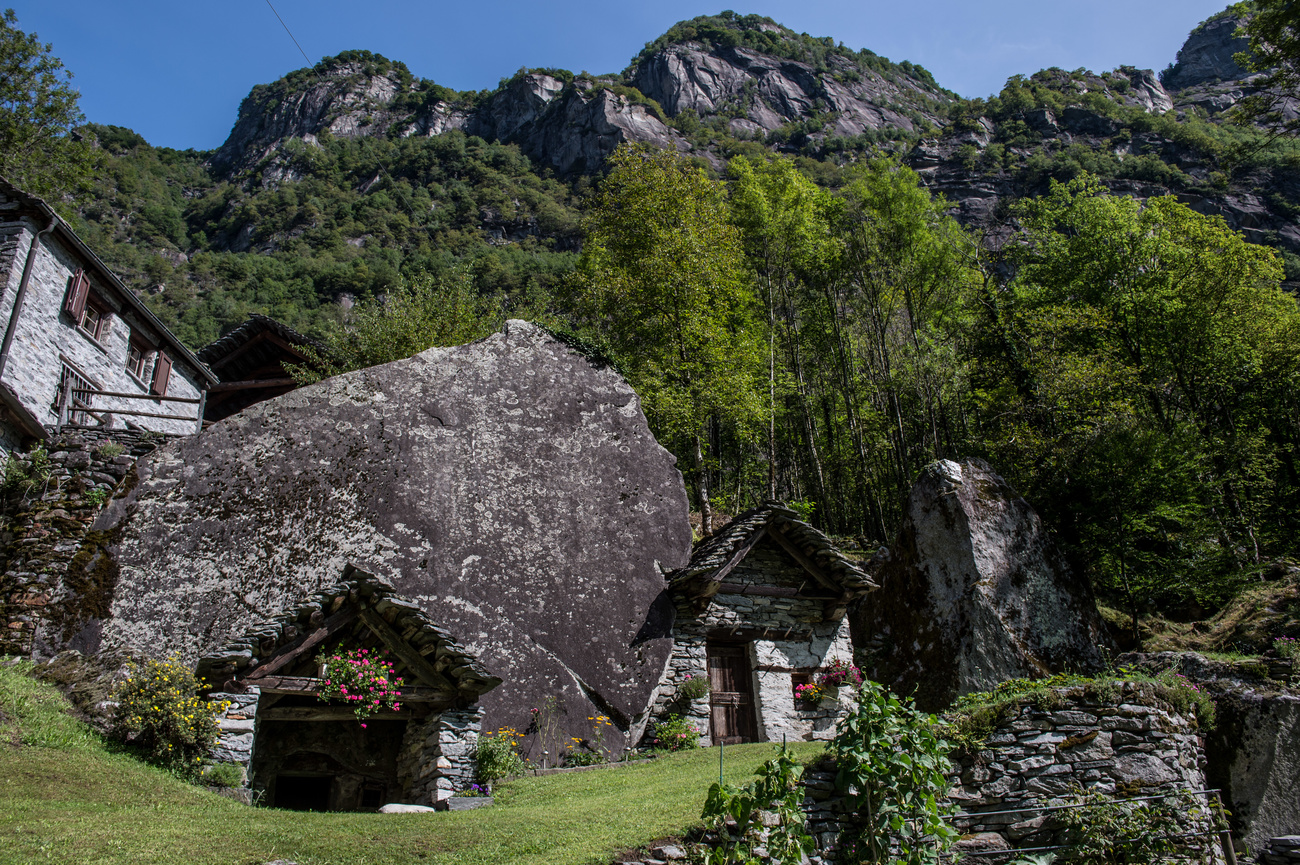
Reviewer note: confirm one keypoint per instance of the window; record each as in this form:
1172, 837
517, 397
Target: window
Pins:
162, 373
77, 389
137, 358
87, 311
93, 320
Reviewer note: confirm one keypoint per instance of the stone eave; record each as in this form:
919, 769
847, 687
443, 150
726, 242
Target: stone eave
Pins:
715, 557
451, 673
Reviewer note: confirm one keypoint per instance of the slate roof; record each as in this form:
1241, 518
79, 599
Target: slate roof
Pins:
264, 640
715, 553
257, 323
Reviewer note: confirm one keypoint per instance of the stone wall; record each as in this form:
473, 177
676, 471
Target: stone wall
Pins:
1038, 757
437, 756
43, 529
792, 638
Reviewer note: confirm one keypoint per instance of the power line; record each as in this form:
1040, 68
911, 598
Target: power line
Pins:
290, 32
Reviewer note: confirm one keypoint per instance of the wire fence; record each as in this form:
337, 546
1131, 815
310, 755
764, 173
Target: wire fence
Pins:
1211, 833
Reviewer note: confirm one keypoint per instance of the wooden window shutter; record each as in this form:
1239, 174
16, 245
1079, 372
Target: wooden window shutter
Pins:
162, 372
78, 291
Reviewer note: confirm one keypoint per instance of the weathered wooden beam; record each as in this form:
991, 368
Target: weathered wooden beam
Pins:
738, 556
303, 644
799, 556
251, 384
773, 591
323, 713
416, 663
305, 686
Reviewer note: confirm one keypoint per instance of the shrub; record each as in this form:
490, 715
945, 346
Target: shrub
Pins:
110, 449
1116, 832
1287, 647
694, 687
224, 775
24, 474
161, 715
673, 734
767, 814
363, 679
497, 757
894, 766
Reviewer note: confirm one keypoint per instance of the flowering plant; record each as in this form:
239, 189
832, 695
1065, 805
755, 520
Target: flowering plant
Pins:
839, 673
809, 693
361, 678
160, 713
1287, 647
694, 687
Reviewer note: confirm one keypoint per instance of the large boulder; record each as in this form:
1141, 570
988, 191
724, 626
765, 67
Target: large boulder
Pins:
1254, 757
973, 593
511, 488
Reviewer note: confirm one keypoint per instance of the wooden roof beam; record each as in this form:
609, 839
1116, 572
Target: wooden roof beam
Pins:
415, 662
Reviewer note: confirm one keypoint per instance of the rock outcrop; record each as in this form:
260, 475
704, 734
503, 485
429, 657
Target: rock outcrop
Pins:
1207, 55
1255, 757
973, 593
509, 488
768, 92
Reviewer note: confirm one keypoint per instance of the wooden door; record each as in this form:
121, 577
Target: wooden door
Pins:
732, 699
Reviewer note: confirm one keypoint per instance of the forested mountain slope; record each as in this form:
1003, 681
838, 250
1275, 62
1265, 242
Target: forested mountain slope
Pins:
818, 326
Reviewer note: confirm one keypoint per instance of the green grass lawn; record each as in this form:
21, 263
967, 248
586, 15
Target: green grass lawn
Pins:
64, 798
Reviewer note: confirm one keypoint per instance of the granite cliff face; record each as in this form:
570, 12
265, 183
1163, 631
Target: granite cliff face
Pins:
509, 488
763, 92
1207, 55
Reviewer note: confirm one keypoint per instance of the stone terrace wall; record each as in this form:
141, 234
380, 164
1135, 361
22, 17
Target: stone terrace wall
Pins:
42, 530
1037, 757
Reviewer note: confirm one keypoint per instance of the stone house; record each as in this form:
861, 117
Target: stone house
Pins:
252, 362
760, 609
79, 347
304, 754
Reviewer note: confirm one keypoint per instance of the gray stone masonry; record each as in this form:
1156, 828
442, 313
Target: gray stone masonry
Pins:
44, 528
47, 339
236, 725
812, 642
437, 757
1039, 757
1282, 851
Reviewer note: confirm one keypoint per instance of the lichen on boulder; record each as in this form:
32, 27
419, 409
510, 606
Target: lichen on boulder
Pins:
973, 593
511, 488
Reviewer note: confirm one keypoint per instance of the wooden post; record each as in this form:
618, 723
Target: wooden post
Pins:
1225, 837
65, 397
203, 401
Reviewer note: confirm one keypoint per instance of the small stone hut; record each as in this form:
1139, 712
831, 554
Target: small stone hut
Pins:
760, 609
304, 754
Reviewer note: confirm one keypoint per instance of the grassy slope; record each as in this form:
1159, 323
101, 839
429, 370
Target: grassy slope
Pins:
64, 798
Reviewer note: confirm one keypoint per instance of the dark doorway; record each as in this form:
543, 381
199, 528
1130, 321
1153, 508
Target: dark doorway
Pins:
303, 792
732, 701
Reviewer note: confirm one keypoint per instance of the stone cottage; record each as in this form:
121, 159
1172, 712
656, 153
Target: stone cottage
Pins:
79, 347
252, 361
305, 754
760, 609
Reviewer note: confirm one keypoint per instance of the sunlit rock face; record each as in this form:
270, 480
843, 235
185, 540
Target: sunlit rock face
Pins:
510, 488
973, 593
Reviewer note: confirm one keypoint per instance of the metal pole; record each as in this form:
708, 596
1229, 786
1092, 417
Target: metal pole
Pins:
722, 746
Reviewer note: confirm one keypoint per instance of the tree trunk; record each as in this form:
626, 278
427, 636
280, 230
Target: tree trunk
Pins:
702, 489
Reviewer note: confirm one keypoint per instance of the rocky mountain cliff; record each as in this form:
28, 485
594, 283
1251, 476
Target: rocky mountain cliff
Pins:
337, 178
709, 67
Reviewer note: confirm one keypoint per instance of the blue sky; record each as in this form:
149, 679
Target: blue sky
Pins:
175, 70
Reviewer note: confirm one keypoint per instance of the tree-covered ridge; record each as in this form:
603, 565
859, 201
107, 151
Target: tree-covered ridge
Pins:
762, 34
345, 220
